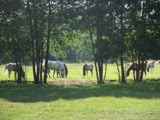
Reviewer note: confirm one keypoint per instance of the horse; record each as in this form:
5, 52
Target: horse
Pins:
151, 66
57, 66
48, 71
13, 67
135, 67
58, 73
88, 67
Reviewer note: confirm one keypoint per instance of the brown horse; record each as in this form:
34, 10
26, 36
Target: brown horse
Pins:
135, 67
88, 67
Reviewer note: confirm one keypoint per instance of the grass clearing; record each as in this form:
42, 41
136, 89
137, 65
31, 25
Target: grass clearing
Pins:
111, 101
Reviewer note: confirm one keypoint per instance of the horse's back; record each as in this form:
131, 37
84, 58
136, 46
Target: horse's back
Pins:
55, 65
88, 66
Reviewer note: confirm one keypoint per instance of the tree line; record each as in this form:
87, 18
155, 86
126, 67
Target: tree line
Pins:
73, 30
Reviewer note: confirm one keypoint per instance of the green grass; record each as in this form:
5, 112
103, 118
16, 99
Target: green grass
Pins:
111, 101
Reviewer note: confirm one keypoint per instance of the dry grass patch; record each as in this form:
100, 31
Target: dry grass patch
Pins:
72, 83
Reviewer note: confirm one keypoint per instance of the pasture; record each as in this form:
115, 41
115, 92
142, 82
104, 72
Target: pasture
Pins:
111, 101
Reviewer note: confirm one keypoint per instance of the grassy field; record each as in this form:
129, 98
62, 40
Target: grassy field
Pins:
111, 101
75, 73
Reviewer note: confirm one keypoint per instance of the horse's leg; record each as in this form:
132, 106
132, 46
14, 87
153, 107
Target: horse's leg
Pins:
58, 74
53, 73
134, 75
9, 73
144, 71
91, 72
153, 68
49, 75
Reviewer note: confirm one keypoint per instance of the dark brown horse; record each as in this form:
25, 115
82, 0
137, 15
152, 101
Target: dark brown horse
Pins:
88, 67
135, 67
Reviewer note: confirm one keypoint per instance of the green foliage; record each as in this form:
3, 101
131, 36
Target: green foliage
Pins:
119, 29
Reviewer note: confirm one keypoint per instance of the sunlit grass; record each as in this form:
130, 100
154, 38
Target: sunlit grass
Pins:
111, 101
75, 73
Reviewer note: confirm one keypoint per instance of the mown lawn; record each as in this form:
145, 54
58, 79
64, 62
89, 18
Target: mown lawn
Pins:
111, 101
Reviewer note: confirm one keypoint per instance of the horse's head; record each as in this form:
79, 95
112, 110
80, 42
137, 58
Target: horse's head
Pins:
63, 73
66, 70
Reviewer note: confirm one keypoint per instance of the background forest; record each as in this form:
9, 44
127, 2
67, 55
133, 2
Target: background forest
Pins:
78, 31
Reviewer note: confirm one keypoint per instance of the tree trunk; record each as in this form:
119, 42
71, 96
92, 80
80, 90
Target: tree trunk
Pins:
32, 40
119, 75
122, 45
17, 58
48, 42
105, 72
36, 42
41, 64
122, 70
93, 48
138, 72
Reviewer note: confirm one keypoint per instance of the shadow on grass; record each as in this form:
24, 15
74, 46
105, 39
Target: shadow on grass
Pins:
28, 93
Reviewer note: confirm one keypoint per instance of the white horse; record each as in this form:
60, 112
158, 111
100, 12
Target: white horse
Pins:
151, 66
57, 66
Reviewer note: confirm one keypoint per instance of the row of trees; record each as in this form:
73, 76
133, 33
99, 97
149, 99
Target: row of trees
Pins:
99, 30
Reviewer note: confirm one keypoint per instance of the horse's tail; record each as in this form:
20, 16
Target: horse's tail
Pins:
84, 72
66, 69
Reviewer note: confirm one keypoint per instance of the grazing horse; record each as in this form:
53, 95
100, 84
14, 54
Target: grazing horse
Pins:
151, 66
13, 67
135, 67
88, 67
58, 73
57, 66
